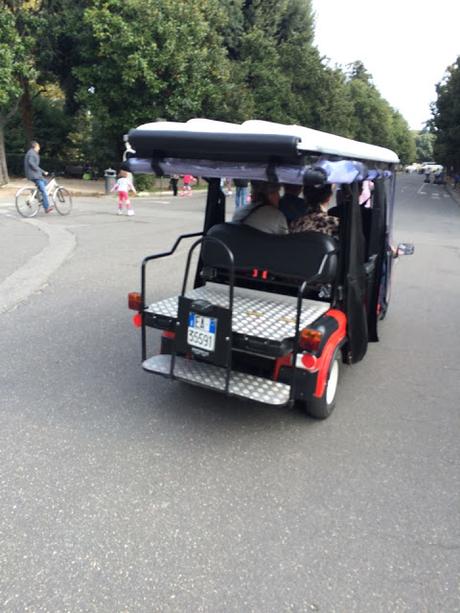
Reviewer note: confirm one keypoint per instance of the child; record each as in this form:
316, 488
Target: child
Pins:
123, 186
188, 181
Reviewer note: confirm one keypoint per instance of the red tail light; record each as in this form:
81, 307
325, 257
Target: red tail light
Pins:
310, 340
137, 320
135, 301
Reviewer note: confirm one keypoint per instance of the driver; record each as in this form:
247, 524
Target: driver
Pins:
263, 213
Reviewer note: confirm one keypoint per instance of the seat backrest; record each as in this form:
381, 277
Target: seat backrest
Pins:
289, 256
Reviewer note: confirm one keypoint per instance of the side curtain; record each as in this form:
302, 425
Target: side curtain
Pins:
377, 248
354, 275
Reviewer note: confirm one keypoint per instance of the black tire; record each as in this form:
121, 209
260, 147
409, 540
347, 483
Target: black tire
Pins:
27, 202
62, 201
321, 408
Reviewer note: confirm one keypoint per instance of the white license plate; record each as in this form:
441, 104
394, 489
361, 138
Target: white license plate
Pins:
201, 331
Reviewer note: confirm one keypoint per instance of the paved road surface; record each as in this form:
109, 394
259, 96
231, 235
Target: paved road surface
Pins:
120, 491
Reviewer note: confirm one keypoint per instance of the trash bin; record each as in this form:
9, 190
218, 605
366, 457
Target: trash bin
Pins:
110, 177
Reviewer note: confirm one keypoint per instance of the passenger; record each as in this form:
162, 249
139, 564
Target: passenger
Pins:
317, 218
291, 204
263, 213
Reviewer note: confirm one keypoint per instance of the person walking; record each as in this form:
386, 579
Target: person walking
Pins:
241, 192
173, 183
123, 186
35, 174
187, 183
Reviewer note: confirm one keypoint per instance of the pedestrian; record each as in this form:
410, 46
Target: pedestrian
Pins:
173, 183
188, 180
241, 192
123, 186
35, 174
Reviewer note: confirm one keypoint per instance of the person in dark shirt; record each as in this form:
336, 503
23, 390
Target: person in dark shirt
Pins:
34, 173
291, 204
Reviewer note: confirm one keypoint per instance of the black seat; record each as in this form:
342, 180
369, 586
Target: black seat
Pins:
290, 256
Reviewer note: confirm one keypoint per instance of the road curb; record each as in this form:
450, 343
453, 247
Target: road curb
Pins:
34, 275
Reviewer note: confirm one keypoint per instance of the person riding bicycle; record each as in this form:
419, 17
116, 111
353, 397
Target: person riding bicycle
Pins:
35, 174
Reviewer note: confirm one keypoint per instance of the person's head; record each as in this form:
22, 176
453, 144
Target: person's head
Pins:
317, 197
123, 173
35, 145
292, 189
264, 192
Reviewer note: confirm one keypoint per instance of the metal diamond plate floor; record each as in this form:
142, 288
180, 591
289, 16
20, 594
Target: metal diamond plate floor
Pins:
254, 313
201, 373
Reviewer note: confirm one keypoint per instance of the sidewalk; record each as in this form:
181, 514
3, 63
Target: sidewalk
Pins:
77, 187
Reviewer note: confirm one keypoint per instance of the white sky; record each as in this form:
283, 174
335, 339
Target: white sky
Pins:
406, 45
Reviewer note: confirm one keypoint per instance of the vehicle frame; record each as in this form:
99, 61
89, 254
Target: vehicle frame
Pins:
270, 318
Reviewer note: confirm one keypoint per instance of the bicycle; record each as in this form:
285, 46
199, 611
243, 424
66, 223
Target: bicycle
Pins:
29, 199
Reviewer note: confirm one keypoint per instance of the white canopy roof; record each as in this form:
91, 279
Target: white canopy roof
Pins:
310, 140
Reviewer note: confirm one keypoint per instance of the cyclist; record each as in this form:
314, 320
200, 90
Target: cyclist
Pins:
35, 174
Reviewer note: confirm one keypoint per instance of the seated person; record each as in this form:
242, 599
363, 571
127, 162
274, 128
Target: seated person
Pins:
317, 218
263, 213
291, 204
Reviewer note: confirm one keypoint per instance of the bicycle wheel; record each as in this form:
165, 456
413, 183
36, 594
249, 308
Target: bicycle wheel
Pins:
27, 202
62, 201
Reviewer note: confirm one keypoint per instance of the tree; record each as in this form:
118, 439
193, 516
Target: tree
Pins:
16, 66
403, 141
424, 146
446, 118
371, 114
151, 59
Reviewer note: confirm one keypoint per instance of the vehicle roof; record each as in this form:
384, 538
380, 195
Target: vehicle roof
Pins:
308, 140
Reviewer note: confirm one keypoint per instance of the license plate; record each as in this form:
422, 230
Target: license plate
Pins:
201, 331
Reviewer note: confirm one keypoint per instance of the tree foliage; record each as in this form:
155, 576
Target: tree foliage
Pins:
16, 67
119, 63
424, 146
151, 59
446, 118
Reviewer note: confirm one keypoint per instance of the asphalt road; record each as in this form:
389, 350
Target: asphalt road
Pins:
124, 492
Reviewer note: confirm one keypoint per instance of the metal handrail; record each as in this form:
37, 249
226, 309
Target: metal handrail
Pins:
143, 267
231, 258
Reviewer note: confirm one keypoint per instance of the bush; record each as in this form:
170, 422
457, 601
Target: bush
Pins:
144, 183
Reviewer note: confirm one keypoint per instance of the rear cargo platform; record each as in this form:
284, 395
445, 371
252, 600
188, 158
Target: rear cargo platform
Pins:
212, 377
255, 313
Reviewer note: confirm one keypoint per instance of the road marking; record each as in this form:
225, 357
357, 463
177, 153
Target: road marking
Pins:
419, 191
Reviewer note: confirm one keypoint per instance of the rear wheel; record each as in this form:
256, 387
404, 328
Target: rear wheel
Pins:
321, 408
62, 201
27, 202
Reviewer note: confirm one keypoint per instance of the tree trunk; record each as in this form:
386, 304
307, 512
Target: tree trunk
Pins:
3, 167
27, 112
